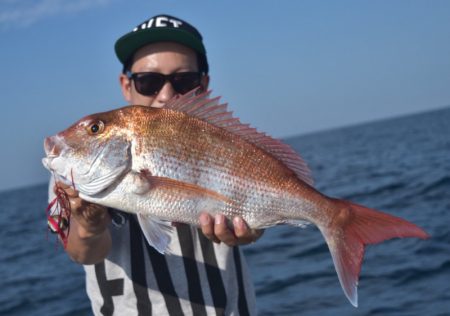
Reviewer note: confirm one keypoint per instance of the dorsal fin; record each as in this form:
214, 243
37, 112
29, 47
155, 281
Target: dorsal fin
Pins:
209, 110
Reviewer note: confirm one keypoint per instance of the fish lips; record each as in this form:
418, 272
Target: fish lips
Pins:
52, 151
52, 161
47, 162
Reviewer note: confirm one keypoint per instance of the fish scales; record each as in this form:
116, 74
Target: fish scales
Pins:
192, 151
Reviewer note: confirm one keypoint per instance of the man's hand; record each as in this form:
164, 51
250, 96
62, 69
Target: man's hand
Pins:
89, 240
217, 230
92, 219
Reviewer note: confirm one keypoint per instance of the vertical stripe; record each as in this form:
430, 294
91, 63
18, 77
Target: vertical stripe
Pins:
242, 300
138, 273
108, 289
192, 274
215, 280
164, 281
161, 274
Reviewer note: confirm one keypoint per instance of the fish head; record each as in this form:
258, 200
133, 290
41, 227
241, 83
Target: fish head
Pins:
92, 154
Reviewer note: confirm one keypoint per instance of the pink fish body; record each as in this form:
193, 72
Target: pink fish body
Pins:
168, 165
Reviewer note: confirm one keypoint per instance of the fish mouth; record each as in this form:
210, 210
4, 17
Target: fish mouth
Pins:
51, 157
54, 148
47, 162
52, 151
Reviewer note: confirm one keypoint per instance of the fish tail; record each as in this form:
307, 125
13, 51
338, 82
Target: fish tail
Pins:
354, 226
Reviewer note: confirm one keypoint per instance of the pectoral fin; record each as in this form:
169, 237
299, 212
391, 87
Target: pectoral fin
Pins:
157, 232
145, 181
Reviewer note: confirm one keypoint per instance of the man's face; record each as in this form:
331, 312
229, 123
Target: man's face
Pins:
166, 58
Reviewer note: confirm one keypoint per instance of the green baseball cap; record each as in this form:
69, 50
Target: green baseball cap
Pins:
160, 28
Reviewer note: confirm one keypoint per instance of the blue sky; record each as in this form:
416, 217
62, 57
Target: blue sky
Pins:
286, 67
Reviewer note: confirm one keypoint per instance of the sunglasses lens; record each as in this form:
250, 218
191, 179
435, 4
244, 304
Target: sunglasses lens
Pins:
184, 82
148, 83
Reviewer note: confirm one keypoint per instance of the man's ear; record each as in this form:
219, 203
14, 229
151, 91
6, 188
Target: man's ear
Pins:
125, 85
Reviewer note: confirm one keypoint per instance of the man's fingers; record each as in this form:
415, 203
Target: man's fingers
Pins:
244, 234
222, 232
75, 204
70, 191
207, 226
218, 230
241, 229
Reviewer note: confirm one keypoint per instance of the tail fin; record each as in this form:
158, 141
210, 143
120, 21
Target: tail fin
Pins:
355, 226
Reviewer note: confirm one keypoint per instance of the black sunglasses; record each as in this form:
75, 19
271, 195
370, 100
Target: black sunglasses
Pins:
149, 83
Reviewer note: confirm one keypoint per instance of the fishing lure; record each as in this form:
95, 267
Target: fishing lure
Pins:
58, 214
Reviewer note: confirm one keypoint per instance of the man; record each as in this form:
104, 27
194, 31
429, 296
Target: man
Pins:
162, 58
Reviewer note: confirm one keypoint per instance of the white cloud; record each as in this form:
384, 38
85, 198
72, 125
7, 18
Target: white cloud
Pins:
22, 13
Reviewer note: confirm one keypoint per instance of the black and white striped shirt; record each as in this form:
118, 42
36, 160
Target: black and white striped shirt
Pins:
198, 277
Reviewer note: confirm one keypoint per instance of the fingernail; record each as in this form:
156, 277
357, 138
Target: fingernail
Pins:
218, 219
204, 220
238, 222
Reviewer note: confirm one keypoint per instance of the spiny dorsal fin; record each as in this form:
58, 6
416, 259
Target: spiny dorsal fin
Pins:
209, 110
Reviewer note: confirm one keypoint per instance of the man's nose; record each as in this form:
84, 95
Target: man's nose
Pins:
166, 93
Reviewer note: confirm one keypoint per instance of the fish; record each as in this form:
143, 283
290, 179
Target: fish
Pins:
169, 164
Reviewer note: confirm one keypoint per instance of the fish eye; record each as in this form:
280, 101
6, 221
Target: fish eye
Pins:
95, 128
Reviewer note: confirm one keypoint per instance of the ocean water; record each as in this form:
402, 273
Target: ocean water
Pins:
400, 166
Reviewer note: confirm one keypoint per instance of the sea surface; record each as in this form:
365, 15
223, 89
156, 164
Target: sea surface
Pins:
400, 166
